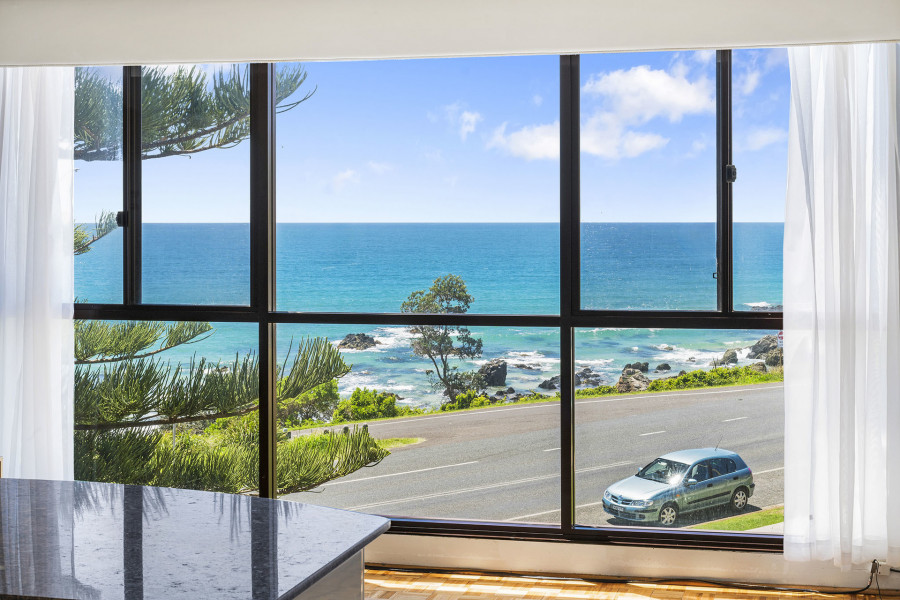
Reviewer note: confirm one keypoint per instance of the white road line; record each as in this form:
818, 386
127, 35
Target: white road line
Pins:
555, 405
547, 512
734, 419
471, 462
479, 488
768, 471
650, 433
552, 449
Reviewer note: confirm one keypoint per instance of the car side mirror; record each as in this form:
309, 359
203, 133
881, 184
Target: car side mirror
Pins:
691, 481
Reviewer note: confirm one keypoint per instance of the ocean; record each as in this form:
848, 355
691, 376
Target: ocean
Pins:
509, 268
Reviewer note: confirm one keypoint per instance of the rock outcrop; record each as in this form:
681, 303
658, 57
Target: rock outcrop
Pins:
632, 381
766, 344
775, 358
759, 366
588, 377
493, 372
550, 384
357, 341
638, 366
664, 367
730, 357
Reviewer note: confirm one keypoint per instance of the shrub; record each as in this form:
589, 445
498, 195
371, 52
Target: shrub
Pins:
365, 404
468, 399
318, 404
714, 377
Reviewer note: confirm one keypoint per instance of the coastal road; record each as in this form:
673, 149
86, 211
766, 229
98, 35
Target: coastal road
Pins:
502, 464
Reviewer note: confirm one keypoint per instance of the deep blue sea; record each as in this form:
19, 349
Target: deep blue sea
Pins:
509, 268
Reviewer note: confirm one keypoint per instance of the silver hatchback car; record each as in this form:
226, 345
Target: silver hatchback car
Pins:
681, 482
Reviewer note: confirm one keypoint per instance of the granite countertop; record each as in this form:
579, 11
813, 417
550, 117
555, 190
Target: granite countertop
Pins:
104, 541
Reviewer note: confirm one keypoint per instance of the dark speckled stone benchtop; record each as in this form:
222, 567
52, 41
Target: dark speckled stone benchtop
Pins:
103, 541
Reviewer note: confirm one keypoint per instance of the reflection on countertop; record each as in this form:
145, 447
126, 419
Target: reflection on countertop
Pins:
105, 541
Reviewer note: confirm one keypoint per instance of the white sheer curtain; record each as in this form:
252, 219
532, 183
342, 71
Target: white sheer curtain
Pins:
36, 272
842, 307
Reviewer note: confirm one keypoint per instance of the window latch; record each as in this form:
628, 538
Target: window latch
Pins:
121, 218
730, 173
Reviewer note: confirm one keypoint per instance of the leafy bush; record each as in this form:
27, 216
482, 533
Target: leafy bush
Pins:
715, 377
468, 399
603, 390
365, 404
318, 404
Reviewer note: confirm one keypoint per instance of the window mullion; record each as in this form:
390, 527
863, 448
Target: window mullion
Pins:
569, 297
262, 260
130, 219
724, 216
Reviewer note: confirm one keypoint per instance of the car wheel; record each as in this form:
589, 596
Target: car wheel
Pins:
739, 499
668, 514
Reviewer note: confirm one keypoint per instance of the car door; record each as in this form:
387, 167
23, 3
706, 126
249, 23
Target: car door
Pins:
720, 481
698, 487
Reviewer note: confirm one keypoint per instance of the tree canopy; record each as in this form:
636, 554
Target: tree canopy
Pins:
442, 343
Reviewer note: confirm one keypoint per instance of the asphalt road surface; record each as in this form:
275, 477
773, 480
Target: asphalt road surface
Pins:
502, 464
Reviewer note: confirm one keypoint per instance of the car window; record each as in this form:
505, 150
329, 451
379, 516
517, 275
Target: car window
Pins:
732, 466
717, 467
662, 470
700, 471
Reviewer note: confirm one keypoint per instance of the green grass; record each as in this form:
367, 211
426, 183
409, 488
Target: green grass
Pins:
760, 518
719, 377
391, 443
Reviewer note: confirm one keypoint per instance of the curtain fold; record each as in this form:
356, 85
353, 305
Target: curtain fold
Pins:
842, 307
36, 272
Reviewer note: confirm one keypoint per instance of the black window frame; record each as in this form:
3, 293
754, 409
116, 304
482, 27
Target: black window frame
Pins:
263, 311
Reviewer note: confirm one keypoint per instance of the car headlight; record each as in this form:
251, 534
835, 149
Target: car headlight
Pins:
642, 503
607, 495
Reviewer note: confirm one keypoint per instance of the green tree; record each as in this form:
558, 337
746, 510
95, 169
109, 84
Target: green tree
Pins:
443, 343
129, 402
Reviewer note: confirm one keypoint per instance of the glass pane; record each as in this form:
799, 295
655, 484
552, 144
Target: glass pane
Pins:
488, 451
196, 184
167, 404
648, 181
98, 184
393, 173
699, 412
761, 94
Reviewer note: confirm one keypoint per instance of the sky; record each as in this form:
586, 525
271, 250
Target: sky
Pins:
477, 140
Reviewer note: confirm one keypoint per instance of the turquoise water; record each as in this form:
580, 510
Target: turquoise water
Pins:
509, 268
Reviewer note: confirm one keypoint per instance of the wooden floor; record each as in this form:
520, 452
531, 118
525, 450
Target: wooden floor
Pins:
397, 585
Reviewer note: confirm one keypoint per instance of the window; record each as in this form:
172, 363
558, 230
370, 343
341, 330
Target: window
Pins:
462, 251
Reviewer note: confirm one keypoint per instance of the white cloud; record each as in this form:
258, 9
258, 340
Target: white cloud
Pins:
628, 99
605, 135
749, 81
380, 167
699, 145
641, 93
531, 142
703, 57
467, 122
461, 120
762, 137
537, 99
343, 178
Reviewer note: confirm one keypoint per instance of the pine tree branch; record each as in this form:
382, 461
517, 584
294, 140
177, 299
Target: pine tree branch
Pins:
113, 359
155, 420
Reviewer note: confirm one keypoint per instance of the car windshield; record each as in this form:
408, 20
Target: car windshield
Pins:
665, 471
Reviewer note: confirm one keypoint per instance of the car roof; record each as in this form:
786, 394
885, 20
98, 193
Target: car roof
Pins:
692, 456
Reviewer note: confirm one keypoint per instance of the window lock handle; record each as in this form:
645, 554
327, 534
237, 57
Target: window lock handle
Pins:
730, 173
121, 218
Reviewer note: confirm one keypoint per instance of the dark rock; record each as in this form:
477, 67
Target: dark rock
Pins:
775, 358
525, 367
639, 366
663, 367
730, 357
682, 372
493, 372
691, 359
766, 344
588, 377
550, 384
510, 390
500, 393
635, 381
768, 308
357, 341
759, 366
